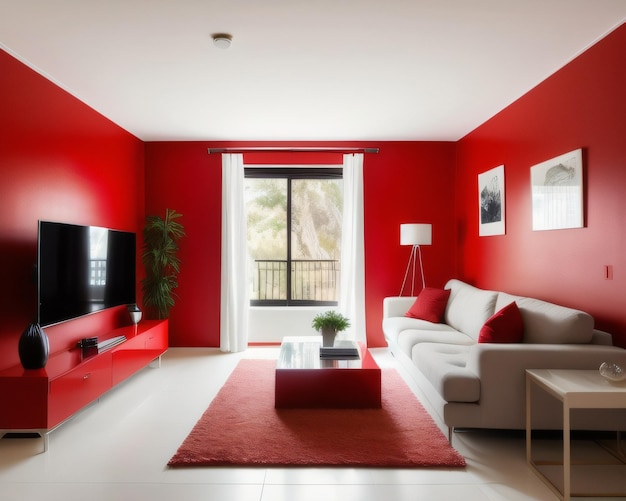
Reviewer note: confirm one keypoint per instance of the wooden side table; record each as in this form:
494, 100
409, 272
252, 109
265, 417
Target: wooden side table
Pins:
575, 389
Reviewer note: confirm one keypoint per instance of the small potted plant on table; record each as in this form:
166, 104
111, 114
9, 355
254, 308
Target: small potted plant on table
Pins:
328, 324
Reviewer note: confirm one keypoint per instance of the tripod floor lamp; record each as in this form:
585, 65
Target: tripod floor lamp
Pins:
415, 234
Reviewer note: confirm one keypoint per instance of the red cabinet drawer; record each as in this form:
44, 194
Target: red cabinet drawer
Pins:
156, 338
78, 387
149, 343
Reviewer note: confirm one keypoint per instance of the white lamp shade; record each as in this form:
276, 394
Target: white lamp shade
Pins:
416, 234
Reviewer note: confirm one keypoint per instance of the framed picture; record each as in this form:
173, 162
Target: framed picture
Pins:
491, 202
557, 192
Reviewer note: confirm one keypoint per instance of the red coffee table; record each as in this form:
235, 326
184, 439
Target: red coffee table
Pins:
304, 380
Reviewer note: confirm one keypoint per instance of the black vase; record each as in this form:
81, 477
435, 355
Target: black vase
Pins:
34, 347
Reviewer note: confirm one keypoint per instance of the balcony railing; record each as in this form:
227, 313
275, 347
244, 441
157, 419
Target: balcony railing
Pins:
310, 281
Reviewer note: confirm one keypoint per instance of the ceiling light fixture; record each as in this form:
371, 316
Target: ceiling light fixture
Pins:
222, 40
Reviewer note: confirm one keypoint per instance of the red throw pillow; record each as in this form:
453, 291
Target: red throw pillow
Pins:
504, 326
430, 305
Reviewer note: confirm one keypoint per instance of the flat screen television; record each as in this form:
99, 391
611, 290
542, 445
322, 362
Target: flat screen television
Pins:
82, 269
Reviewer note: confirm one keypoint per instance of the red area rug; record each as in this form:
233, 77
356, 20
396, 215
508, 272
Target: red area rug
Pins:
241, 427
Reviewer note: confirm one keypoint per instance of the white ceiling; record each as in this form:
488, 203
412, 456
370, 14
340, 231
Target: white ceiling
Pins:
301, 69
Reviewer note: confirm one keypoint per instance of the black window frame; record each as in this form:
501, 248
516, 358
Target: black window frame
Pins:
292, 173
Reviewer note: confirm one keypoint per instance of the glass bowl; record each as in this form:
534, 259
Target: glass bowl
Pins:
612, 372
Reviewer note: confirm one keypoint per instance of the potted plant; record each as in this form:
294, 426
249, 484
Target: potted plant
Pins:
328, 324
160, 237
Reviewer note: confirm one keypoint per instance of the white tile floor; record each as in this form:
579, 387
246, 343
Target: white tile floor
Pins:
117, 449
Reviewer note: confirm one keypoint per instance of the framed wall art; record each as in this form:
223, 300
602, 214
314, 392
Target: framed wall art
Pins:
491, 202
557, 192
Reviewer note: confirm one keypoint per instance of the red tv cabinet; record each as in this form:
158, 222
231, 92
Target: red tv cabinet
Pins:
40, 400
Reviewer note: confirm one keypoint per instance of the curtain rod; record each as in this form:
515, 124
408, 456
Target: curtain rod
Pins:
290, 149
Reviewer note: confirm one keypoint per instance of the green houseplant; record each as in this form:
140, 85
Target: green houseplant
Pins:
329, 323
160, 237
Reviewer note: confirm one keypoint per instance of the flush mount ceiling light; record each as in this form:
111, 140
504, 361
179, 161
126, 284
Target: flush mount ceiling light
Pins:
222, 40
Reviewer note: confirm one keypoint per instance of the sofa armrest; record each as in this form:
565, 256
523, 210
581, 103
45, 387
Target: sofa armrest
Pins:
494, 360
501, 369
602, 338
397, 306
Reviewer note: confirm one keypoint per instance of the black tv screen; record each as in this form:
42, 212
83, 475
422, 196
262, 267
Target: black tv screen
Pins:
83, 269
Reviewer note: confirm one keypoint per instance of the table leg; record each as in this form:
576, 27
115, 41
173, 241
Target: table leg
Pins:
528, 427
567, 461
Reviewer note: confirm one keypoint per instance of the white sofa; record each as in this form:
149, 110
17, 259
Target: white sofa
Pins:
482, 385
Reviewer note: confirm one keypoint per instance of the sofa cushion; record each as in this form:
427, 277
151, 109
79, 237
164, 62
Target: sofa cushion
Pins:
468, 307
430, 305
550, 323
392, 327
504, 326
407, 339
444, 365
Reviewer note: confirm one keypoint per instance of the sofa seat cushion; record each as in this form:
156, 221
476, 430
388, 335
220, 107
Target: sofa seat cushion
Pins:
408, 338
444, 365
549, 323
393, 326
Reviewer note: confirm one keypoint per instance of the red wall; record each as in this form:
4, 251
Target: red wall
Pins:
60, 161
405, 182
581, 106
63, 161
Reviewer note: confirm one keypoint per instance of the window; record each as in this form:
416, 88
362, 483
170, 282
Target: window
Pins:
294, 234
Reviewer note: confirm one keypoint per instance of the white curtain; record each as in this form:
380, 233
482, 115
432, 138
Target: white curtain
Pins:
234, 292
352, 293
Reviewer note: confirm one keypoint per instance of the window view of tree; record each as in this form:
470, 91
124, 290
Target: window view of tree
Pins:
305, 204
266, 208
